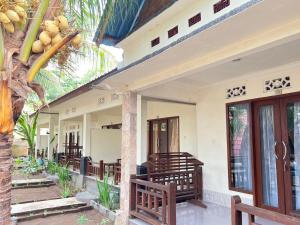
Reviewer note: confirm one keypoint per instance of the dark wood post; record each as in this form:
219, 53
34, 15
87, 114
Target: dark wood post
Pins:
236, 216
101, 169
66, 143
132, 195
88, 167
172, 204
70, 143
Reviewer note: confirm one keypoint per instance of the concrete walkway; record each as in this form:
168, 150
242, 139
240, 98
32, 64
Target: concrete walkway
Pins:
189, 214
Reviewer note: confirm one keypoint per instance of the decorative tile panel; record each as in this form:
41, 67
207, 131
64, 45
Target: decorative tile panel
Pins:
101, 100
277, 84
236, 92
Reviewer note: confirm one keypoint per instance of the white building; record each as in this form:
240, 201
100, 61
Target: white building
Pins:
220, 80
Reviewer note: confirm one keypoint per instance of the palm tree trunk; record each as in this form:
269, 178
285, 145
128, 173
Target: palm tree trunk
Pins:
5, 177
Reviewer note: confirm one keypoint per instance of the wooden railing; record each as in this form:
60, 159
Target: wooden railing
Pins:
94, 169
153, 203
108, 169
76, 164
117, 172
238, 208
181, 169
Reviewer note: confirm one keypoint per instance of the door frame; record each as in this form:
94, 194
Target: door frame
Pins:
150, 132
288, 181
252, 102
276, 103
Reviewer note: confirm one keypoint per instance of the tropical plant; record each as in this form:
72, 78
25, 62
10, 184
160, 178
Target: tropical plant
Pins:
106, 195
64, 175
82, 219
64, 179
52, 167
31, 33
26, 128
105, 221
66, 190
18, 161
29, 37
31, 166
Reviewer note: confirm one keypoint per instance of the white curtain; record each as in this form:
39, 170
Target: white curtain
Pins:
295, 149
269, 171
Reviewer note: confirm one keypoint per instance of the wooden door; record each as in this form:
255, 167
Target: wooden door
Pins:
268, 156
290, 120
164, 135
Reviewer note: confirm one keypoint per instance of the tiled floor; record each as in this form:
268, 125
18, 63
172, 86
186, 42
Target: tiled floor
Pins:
188, 214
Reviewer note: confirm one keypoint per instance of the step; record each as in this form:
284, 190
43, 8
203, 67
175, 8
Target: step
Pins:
53, 213
45, 206
32, 183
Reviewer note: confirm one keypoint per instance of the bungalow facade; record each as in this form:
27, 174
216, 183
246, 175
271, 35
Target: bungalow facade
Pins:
217, 79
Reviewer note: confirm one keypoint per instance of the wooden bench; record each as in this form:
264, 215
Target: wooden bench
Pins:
237, 208
182, 169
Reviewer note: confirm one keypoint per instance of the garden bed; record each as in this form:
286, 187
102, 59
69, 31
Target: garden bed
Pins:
108, 213
19, 175
35, 194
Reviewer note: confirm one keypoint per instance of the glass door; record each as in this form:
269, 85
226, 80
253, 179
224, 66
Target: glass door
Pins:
291, 152
268, 155
164, 135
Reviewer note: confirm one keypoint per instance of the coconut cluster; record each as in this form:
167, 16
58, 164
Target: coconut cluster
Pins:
53, 31
12, 14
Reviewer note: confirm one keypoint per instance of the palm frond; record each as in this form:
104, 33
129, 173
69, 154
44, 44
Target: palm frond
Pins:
26, 128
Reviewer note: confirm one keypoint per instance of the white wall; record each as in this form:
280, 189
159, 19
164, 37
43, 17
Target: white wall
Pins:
91, 101
43, 142
140, 40
187, 122
211, 123
105, 143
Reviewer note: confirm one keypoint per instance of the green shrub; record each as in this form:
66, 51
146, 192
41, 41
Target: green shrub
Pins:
64, 175
106, 195
31, 166
18, 161
66, 190
52, 167
64, 179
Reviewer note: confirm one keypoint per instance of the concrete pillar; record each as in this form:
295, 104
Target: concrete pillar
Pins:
142, 147
128, 154
86, 136
51, 141
38, 140
61, 136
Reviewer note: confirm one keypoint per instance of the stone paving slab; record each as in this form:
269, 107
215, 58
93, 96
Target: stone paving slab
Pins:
43, 205
31, 181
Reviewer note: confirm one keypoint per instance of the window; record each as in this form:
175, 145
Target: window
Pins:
173, 32
195, 19
155, 42
239, 148
222, 4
